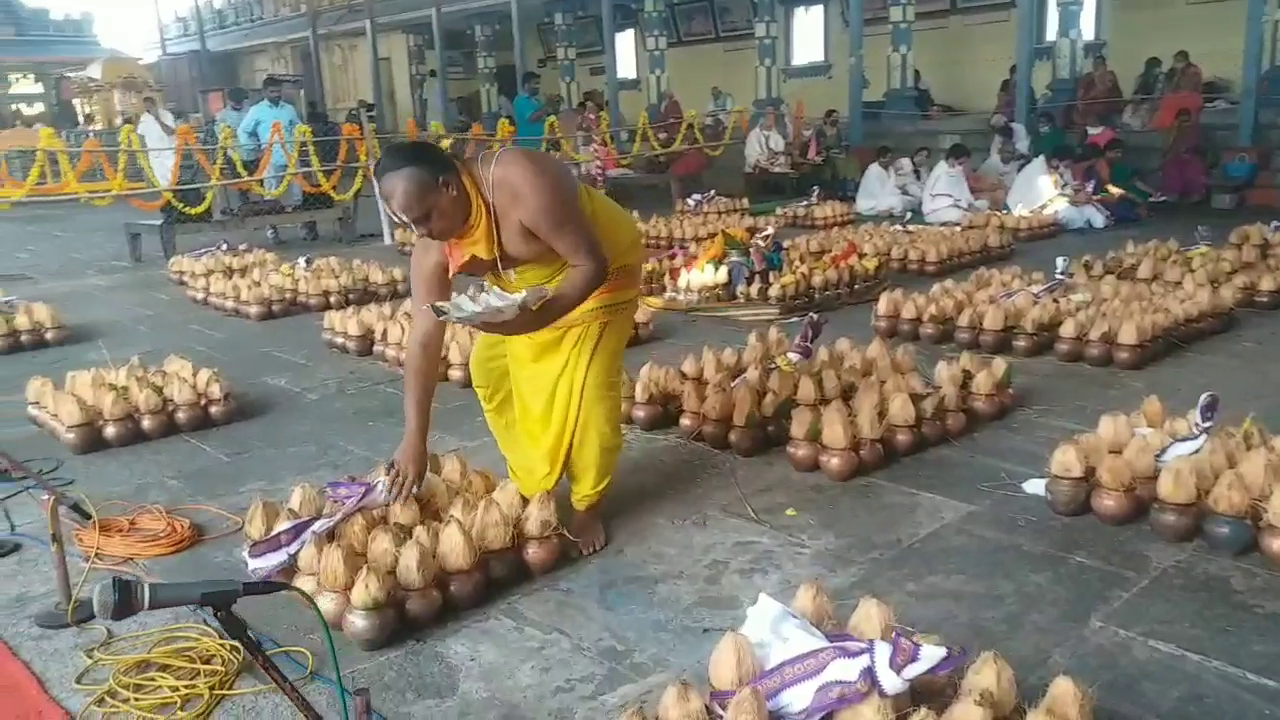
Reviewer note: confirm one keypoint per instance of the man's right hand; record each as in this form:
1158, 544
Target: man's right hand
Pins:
409, 467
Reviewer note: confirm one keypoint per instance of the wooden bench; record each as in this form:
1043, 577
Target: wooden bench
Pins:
168, 231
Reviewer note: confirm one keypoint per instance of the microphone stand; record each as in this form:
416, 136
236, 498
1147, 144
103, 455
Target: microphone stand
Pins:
236, 629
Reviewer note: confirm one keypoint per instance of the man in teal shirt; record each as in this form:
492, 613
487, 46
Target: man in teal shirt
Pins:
254, 132
530, 113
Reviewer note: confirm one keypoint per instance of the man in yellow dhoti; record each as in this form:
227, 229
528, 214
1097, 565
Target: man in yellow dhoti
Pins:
548, 380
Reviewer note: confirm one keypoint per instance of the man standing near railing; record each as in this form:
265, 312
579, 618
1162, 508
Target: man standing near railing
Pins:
231, 117
255, 131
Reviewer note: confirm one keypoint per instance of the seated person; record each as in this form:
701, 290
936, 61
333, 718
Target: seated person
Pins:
995, 176
1045, 186
1125, 176
878, 192
1094, 171
946, 197
766, 148
1183, 174
1008, 132
912, 172
1049, 135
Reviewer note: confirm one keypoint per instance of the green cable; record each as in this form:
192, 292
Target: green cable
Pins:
333, 652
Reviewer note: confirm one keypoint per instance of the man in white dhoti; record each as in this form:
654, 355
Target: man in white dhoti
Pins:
995, 176
156, 128
1045, 186
878, 191
1010, 133
946, 197
766, 149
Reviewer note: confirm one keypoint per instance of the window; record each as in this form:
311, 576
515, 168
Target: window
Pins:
1088, 21
626, 55
807, 35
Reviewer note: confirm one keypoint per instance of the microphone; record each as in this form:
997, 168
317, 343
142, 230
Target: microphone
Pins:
121, 597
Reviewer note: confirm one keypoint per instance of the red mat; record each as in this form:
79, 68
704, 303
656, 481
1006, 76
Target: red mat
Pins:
24, 696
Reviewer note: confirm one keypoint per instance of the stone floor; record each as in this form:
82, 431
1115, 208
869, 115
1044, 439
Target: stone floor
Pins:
1159, 631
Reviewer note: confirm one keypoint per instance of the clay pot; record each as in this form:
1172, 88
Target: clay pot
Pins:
190, 418
838, 465
401, 289
914, 267
897, 265
1174, 523
9, 344
37, 415
258, 312
466, 589
155, 425
221, 411
1146, 490
315, 303
118, 433
31, 339
217, 302
394, 355
1025, 345
191, 294
202, 296
359, 345
336, 300
422, 607
747, 441
379, 350
290, 297
1068, 350
1269, 543
459, 375
993, 341
80, 439
933, 432
1115, 508
648, 416
355, 297
55, 336
333, 605
688, 424
908, 330
885, 326
776, 431
1068, 497
1128, 357
803, 455
903, 441
1097, 354
370, 629
1227, 535
541, 555
1263, 300
871, 456
932, 332
280, 308
966, 337
715, 433
986, 407
955, 423
504, 567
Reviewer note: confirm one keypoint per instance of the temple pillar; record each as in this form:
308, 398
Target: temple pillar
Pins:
485, 31
857, 71
900, 97
566, 52
1254, 33
1068, 57
653, 25
1028, 35
768, 72
609, 25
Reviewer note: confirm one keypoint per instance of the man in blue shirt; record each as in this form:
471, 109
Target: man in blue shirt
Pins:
230, 117
254, 132
530, 112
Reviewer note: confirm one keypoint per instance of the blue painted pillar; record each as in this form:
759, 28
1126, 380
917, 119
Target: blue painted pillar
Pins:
1028, 36
487, 70
900, 95
857, 72
1068, 57
1255, 19
566, 52
768, 73
653, 25
610, 25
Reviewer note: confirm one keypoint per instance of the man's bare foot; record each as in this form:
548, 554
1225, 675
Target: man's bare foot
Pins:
588, 529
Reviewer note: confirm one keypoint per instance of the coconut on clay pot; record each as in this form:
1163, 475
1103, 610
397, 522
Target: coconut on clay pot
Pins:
869, 427
902, 436
1226, 527
416, 574
464, 579
307, 577
1141, 456
74, 425
1114, 499
837, 459
383, 548
1067, 490
733, 664
990, 680
647, 412
1269, 530
260, 518
682, 701
746, 435
884, 320
805, 427
692, 397
338, 567
540, 528
371, 618
1175, 513
495, 535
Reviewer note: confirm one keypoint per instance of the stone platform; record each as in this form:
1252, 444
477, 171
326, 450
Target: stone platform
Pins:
1158, 630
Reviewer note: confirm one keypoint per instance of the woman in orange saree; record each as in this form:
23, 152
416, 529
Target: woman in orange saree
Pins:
1185, 92
1099, 99
549, 379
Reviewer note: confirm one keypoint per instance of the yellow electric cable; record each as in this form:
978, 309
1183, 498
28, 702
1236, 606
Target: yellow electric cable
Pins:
179, 671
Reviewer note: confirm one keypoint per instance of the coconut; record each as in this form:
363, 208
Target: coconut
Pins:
635, 712
806, 423
260, 519
733, 663
1066, 699
1115, 430
1259, 472
463, 508
434, 496
1068, 461
1114, 474
287, 518
539, 519
872, 619
372, 589
306, 500
968, 708
338, 567
491, 527
404, 512
837, 430
453, 469
308, 561
1205, 477
874, 707
1176, 484
456, 551
384, 545
1151, 414
1141, 458
812, 603
416, 567
747, 704
1271, 512
353, 532
508, 497
1230, 495
681, 701
991, 681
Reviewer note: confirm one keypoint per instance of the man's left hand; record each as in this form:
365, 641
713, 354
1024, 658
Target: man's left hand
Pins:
526, 321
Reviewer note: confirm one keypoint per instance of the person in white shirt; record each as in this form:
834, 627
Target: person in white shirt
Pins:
878, 191
766, 149
995, 176
719, 108
1045, 187
946, 197
156, 128
1012, 133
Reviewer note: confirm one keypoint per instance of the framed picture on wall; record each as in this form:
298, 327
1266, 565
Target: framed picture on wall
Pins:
694, 21
735, 17
547, 36
588, 34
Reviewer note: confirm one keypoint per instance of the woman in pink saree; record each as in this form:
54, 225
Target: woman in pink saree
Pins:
1184, 93
1099, 99
1183, 175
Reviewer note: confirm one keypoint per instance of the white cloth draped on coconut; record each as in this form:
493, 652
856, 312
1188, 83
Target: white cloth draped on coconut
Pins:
160, 144
277, 551
808, 675
766, 150
1041, 189
879, 194
946, 197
